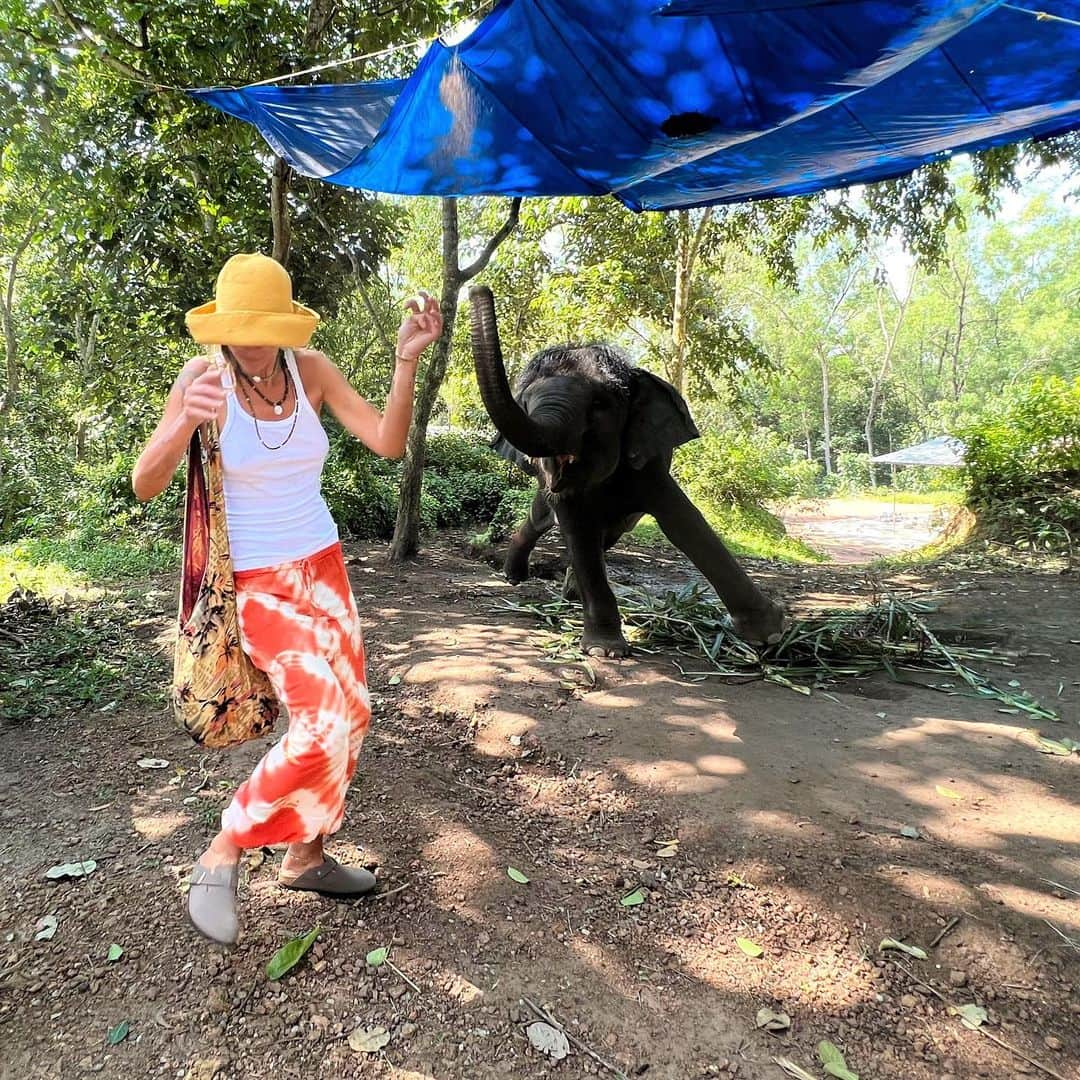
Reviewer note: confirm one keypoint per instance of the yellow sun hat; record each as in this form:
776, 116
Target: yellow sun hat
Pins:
252, 305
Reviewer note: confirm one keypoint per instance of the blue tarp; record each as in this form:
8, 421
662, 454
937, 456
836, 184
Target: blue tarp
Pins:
686, 103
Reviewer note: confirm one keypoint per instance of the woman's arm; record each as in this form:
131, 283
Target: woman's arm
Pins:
385, 432
195, 397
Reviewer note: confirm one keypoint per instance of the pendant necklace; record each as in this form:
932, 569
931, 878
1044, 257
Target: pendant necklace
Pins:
279, 405
277, 409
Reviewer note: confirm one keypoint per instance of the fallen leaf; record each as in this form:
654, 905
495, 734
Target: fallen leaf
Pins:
516, 875
972, 1016
909, 832
45, 927
369, 1040
290, 954
548, 1040
377, 957
899, 946
633, 899
1052, 746
751, 948
667, 853
834, 1062
948, 792
118, 1034
793, 1070
666, 843
394, 680
775, 1022
71, 870
114, 954
152, 763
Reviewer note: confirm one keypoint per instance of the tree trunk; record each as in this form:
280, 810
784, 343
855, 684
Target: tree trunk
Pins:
406, 541
279, 210
7, 317
877, 388
687, 245
826, 415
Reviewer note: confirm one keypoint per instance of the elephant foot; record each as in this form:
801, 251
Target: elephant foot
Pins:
516, 566
604, 643
762, 626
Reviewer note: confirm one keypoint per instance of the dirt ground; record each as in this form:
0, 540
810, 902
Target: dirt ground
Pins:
860, 530
484, 755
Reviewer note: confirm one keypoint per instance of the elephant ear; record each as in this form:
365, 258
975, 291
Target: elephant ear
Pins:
659, 419
512, 453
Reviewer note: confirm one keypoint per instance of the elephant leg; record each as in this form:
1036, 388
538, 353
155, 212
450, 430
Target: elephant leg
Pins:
541, 518
612, 535
757, 618
585, 541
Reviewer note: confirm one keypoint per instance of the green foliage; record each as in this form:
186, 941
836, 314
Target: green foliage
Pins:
464, 481
59, 656
1023, 467
512, 508
732, 467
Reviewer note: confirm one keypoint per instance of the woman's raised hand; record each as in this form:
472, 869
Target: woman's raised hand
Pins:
422, 326
203, 393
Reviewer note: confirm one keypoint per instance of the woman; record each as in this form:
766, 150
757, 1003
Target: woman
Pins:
296, 610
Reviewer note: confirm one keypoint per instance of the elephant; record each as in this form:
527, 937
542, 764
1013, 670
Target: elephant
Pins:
598, 433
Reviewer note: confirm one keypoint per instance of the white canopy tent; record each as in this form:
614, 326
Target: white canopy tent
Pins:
944, 450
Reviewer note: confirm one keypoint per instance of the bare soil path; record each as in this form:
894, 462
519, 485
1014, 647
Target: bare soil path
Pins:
860, 530
787, 810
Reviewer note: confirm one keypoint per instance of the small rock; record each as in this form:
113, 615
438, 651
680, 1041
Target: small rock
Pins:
909, 1001
217, 1000
958, 978
1052, 1042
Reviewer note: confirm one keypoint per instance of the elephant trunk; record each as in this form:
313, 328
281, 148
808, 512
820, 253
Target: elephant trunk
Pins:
533, 438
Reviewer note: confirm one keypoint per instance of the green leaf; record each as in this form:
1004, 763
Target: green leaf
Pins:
377, 957
71, 870
899, 946
114, 954
290, 954
751, 948
909, 832
973, 1016
516, 875
118, 1034
1053, 746
633, 899
394, 680
834, 1062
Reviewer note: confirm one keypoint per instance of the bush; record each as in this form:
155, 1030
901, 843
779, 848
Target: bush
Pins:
464, 481
1022, 467
742, 468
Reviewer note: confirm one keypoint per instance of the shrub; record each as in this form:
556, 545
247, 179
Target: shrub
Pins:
741, 468
1022, 467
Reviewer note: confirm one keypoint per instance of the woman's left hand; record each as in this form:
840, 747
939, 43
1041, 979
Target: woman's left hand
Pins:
420, 328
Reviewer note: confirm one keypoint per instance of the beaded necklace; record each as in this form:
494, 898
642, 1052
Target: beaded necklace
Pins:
251, 407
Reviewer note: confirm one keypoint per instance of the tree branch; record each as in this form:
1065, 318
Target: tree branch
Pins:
87, 35
481, 261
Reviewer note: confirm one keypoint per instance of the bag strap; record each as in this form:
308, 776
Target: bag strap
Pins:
196, 529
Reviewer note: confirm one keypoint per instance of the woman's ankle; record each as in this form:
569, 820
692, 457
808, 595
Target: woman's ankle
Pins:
221, 852
301, 857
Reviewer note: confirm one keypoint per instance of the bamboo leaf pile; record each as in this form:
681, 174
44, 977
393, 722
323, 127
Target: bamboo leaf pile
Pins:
815, 651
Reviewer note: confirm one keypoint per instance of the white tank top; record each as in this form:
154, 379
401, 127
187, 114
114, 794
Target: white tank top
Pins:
273, 499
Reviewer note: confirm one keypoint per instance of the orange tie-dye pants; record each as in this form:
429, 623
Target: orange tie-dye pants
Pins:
299, 624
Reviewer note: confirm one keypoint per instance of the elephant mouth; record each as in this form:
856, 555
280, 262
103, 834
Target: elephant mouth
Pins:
559, 474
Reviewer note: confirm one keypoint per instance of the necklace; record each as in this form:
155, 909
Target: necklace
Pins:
251, 406
279, 405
